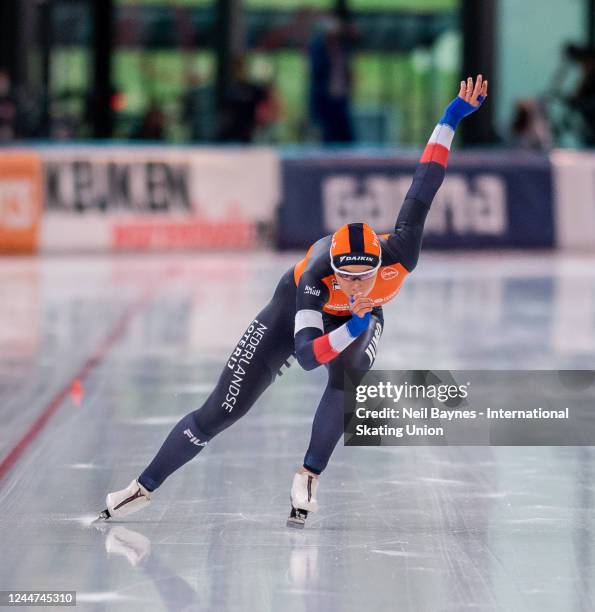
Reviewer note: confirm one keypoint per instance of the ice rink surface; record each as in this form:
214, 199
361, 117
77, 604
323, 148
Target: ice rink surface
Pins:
143, 339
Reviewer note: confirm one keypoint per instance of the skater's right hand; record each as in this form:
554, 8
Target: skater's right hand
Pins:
360, 304
361, 307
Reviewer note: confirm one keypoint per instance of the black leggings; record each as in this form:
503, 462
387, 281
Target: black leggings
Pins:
261, 355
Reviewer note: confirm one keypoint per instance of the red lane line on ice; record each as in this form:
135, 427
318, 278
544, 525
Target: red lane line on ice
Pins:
96, 358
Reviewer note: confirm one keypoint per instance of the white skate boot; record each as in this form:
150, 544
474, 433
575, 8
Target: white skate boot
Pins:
121, 503
303, 499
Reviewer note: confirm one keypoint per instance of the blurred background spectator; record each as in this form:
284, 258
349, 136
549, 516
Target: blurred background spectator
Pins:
198, 109
246, 105
330, 79
152, 126
530, 127
582, 99
7, 108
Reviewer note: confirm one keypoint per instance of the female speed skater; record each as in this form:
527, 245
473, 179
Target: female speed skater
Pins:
326, 310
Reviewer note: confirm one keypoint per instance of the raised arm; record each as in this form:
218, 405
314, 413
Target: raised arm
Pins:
429, 174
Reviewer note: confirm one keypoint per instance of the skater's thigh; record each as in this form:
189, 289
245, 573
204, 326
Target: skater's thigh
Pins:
268, 340
265, 346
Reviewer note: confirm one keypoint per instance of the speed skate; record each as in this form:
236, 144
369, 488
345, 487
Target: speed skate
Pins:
303, 499
122, 503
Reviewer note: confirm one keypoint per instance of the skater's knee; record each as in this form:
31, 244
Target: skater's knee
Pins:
346, 374
336, 378
206, 425
360, 356
357, 361
202, 425
221, 411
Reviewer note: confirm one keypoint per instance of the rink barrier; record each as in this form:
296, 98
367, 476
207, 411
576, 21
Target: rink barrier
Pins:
158, 198
574, 195
488, 200
20, 201
113, 198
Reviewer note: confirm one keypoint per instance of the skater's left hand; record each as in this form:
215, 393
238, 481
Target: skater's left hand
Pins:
470, 98
474, 94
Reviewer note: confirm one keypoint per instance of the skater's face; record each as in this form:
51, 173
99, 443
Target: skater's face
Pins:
352, 285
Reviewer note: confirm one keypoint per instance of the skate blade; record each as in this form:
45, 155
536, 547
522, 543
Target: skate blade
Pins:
104, 515
297, 518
